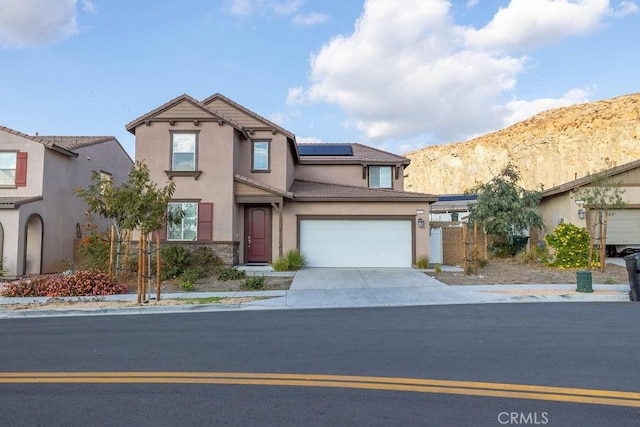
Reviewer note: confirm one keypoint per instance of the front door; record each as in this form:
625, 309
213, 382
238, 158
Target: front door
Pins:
258, 233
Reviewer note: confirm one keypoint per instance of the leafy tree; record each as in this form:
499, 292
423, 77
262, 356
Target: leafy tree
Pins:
137, 204
505, 210
600, 197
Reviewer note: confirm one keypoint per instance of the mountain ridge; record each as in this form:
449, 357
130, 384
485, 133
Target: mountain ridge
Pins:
550, 148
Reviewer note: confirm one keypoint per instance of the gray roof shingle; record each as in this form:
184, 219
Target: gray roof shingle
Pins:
319, 191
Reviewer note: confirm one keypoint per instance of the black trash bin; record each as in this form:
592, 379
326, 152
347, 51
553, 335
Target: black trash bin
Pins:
633, 270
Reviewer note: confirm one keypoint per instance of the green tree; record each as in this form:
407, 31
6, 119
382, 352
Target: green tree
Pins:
505, 210
600, 197
139, 204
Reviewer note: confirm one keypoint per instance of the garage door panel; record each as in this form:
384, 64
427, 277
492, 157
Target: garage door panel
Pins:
356, 243
623, 226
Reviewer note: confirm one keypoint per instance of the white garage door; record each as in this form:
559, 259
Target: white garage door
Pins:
623, 227
356, 243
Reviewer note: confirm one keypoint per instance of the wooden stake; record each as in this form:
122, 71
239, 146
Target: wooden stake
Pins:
475, 248
158, 266
140, 269
603, 242
112, 252
465, 264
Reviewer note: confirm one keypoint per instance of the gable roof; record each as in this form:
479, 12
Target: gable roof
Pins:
256, 116
48, 144
321, 191
585, 180
362, 154
131, 126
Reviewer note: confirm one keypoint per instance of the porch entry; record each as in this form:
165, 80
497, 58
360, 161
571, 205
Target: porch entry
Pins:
258, 234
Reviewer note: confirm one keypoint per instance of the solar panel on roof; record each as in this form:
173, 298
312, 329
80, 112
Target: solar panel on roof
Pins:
325, 150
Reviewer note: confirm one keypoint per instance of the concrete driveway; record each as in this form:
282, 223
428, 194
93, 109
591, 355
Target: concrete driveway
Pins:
361, 278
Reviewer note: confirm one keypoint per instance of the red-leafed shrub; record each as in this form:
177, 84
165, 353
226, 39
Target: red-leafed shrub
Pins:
79, 283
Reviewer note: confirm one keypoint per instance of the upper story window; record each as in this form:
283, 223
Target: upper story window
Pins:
8, 162
183, 151
260, 156
380, 177
13, 168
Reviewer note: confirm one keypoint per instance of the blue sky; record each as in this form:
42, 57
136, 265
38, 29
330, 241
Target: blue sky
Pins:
396, 74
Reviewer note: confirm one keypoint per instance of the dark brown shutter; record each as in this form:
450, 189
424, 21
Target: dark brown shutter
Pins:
21, 169
205, 221
163, 229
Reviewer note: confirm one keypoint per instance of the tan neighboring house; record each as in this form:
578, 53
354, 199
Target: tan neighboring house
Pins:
563, 204
39, 215
251, 192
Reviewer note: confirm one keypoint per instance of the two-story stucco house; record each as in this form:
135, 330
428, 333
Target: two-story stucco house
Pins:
250, 191
40, 217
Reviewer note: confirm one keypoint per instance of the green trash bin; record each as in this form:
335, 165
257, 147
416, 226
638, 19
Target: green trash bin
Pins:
585, 283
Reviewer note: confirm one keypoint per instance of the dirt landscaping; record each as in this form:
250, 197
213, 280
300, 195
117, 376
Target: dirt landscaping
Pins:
509, 271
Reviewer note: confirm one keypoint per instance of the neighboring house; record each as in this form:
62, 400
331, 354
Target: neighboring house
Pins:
39, 215
251, 192
563, 204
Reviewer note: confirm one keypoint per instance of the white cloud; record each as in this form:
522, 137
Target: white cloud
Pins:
518, 110
472, 3
276, 7
34, 22
310, 19
89, 6
624, 8
408, 69
527, 24
295, 96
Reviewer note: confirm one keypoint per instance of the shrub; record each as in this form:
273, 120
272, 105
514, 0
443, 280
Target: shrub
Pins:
95, 247
572, 246
3, 269
422, 262
255, 282
533, 256
186, 284
79, 283
230, 273
293, 260
177, 259
174, 259
482, 263
438, 268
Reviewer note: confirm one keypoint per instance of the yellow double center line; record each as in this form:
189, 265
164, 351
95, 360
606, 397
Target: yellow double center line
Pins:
416, 385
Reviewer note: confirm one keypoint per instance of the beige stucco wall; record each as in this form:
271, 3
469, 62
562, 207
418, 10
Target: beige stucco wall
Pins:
564, 206
277, 176
60, 209
35, 157
214, 154
409, 209
53, 176
341, 174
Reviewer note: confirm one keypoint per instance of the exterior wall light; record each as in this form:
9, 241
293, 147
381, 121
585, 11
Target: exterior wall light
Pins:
420, 223
581, 213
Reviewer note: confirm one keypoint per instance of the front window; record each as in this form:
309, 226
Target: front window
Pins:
183, 151
8, 163
183, 221
260, 155
380, 177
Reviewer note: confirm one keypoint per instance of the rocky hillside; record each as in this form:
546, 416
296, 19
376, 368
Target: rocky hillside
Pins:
550, 148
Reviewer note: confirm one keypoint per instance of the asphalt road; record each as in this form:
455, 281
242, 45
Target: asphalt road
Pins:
476, 356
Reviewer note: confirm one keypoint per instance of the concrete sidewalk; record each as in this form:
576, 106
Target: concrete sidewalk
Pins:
342, 288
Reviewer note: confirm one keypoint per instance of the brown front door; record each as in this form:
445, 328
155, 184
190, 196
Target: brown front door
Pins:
258, 232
